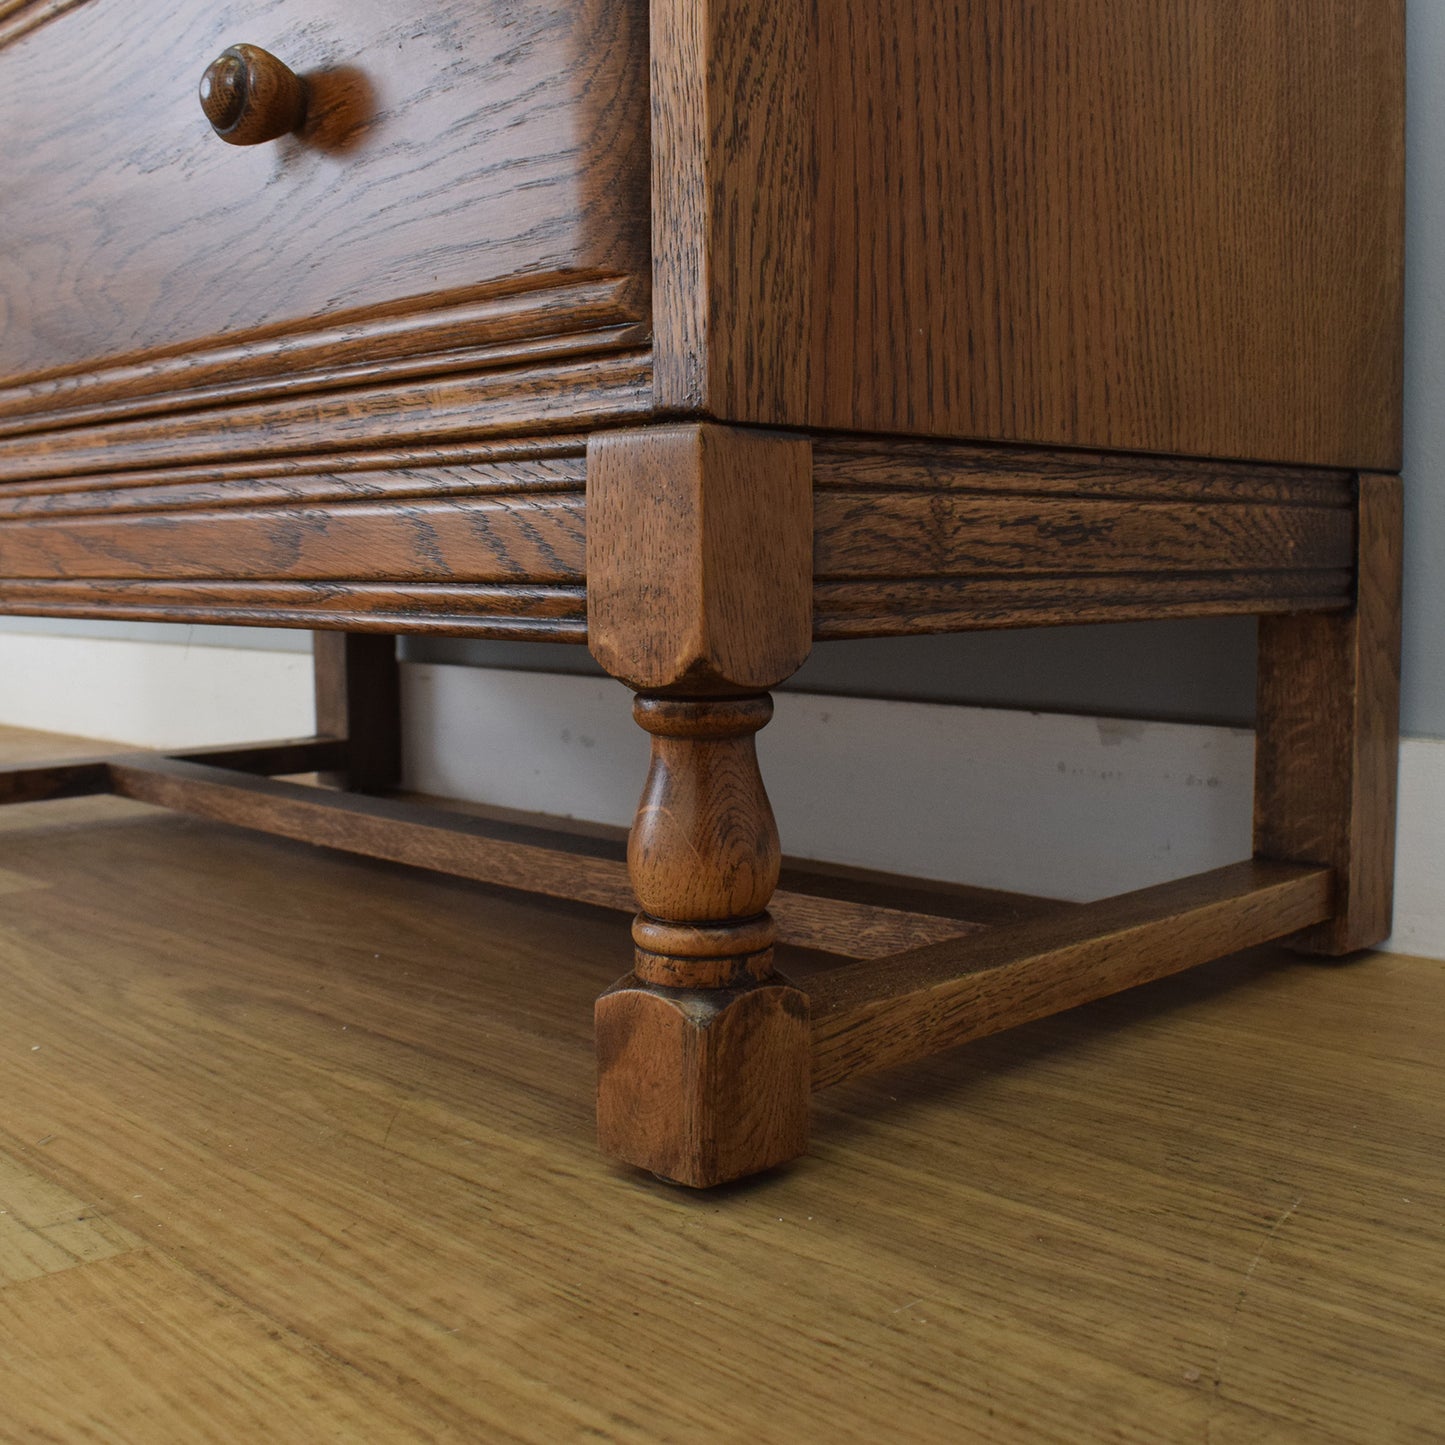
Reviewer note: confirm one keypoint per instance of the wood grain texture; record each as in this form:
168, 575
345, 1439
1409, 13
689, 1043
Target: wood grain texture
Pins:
347, 1122
698, 557
732, 165
699, 582
893, 464
1098, 225
908, 537
565, 395
19, 17
521, 611
247, 485
933, 537
703, 1052
702, 1087
703, 853
904, 608
128, 225
871, 534
475, 329
540, 461
463, 846
871, 1017
357, 680
1327, 726
536, 539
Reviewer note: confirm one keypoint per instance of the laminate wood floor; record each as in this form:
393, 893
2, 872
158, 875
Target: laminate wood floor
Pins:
299, 1148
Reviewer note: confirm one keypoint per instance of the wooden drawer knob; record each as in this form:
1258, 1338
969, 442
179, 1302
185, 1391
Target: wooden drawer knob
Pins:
249, 96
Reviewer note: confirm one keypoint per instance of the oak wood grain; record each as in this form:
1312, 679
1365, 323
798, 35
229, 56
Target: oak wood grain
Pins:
935, 537
499, 538
478, 329
909, 607
1327, 729
545, 452
563, 395
703, 853
698, 557
732, 167
701, 1087
19, 17
330, 480
870, 534
251, 97
520, 611
900, 464
1095, 225
854, 911
128, 225
867, 1018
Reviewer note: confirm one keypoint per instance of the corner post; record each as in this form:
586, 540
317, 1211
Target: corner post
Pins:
699, 574
1327, 734
358, 697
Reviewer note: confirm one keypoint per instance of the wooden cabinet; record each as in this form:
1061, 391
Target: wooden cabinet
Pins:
697, 332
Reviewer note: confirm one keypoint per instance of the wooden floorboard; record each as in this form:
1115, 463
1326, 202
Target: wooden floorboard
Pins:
295, 1147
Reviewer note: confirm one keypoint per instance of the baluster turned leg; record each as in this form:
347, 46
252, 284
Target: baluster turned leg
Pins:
699, 592
703, 1051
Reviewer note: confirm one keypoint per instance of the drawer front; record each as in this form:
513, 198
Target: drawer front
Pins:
449, 151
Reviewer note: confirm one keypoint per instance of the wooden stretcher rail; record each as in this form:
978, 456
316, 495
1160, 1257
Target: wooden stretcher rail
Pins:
223, 784
86, 777
870, 1017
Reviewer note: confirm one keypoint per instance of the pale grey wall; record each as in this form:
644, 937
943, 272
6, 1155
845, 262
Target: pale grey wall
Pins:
1188, 670
277, 639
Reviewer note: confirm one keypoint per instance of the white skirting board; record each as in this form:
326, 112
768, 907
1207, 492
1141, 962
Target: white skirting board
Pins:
153, 694
1073, 807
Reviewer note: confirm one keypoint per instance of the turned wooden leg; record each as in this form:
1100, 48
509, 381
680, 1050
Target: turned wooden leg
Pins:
358, 697
1326, 754
699, 597
703, 1051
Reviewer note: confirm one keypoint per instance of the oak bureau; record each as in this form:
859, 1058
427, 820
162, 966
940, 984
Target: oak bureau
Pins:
698, 332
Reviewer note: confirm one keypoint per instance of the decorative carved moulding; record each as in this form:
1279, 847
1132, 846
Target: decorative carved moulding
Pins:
488, 537
483, 329
516, 611
923, 537
475, 538
510, 401
19, 17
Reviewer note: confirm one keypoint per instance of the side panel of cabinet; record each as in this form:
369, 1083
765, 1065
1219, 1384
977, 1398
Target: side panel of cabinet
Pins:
1169, 227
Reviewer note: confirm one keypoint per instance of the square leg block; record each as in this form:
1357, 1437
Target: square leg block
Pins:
703, 1085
